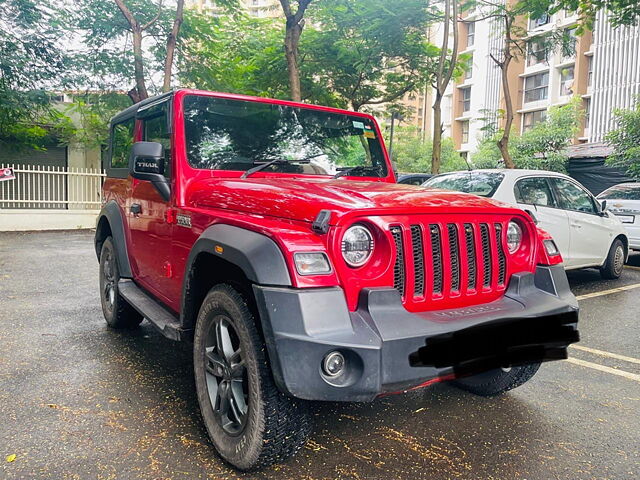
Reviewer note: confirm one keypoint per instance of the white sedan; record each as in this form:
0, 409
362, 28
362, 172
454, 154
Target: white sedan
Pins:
623, 201
586, 234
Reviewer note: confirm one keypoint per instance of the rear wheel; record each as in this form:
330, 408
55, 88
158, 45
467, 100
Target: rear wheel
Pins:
613, 266
250, 422
497, 381
117, 312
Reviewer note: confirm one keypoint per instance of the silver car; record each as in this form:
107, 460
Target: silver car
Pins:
623, 200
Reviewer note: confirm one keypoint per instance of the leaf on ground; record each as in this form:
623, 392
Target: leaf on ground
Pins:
11, 457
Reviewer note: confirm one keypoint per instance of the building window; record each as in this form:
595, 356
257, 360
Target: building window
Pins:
566, 81
538, 22
537, 52
536, 87
465, 131
466, 99
569, 43
471, 33
590, 73
531, 118
587, 113
469, 68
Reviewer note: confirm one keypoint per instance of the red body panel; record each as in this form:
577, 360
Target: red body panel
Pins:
282, 207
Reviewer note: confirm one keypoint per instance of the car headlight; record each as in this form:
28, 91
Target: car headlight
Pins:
514, 237
357, 245
312, 263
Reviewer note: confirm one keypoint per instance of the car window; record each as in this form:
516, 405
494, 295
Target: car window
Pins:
483, 184
572, 197
621, 192
412, 181
534, 191
122, 140
156, 129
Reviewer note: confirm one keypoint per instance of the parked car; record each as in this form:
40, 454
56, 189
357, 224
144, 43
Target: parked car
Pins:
414, 178
273, 236
623, 201
586, 234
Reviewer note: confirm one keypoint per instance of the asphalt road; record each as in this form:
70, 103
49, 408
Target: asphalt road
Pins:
80, 401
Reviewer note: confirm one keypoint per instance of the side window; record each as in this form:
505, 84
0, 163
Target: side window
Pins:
534, 191
156, 129
572, 197
121, 142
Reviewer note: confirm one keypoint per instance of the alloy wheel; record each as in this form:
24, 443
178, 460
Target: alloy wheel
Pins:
618, 260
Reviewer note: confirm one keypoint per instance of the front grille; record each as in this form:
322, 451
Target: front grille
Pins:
440, 268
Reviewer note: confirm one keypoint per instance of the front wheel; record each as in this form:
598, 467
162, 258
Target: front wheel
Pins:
250, 422
613, 266
497, 381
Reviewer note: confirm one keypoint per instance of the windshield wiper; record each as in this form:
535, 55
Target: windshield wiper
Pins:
277, 161
342, 171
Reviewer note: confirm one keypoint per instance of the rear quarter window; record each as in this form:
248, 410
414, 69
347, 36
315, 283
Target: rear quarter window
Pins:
121, 143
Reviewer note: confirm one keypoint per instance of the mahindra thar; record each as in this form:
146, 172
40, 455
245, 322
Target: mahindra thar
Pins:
273, 236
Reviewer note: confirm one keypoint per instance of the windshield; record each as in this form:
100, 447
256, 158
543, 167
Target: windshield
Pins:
621, 192
227, 134
483, 184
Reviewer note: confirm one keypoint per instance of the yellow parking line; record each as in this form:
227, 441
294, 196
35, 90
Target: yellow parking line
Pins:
607, 292
602, 368
602, 353
632, 267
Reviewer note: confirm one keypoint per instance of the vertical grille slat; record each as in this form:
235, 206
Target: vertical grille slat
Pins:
502, 259
486, 255
454, 255
472, 276
418, 261
436, 252
398, 268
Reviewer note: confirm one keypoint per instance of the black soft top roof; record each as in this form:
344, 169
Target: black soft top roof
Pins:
133, 109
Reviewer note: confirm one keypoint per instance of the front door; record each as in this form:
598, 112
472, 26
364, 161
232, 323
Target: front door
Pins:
147, 212
535, 194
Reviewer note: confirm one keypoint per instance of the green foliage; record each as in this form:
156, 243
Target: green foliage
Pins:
540, 148
621, 12
625, 140
413, 155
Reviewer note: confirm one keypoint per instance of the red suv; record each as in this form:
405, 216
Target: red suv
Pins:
273, 236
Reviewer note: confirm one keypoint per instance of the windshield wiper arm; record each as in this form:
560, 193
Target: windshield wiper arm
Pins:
347, 170
276, 161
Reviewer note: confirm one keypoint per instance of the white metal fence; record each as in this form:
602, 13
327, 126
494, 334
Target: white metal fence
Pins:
48, 187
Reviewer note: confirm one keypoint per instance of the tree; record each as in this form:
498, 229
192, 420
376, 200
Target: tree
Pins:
367, 54
30, 59
413, 155
621, 12
625, 140
293, 31
446, 66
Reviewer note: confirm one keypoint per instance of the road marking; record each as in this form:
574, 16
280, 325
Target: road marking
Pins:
606, 354
602, 368
608, 292
632, 267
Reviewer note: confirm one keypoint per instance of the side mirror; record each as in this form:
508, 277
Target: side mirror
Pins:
603, 206
147, 163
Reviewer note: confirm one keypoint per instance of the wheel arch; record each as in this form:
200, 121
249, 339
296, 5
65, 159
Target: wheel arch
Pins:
111, 224
233, 255
625, 242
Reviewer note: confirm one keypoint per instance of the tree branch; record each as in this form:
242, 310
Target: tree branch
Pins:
133, 23
154, 19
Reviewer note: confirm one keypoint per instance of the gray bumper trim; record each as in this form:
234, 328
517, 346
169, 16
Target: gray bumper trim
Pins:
302, 325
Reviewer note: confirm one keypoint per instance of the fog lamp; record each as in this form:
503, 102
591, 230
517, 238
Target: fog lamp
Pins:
333, 364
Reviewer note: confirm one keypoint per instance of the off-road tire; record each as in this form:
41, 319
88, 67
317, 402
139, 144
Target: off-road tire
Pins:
613, 266
117, 312
498, 381
275, 426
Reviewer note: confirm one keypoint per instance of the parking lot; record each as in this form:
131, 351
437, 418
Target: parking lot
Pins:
80, 401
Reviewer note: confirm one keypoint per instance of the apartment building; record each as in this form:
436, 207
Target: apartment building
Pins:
256, 8
602, 67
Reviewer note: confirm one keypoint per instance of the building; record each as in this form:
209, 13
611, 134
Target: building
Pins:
256, 8
602, 67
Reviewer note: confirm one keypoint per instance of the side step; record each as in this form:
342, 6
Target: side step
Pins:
153, 311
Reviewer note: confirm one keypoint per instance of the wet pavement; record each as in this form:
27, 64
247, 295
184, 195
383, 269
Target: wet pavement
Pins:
80, 401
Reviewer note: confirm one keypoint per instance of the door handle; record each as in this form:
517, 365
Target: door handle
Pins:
135, 208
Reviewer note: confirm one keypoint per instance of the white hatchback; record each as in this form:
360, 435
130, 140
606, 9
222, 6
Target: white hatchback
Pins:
586, 234
623, 201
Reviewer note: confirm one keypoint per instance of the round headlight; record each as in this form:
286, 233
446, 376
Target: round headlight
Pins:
514, 237
357, 245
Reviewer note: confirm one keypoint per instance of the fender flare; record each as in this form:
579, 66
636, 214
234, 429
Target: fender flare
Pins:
111, 212
257, 255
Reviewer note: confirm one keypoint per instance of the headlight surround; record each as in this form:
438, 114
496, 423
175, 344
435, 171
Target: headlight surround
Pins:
312, 263
357, 245
514, 237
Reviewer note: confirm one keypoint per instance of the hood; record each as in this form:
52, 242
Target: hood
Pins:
303, 198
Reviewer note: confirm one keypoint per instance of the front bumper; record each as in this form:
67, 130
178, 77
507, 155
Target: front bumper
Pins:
302, 325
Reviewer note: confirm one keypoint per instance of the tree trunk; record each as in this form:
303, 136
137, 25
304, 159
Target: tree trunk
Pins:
138, 65
171, 46
436, 153
291, 43
503, 143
